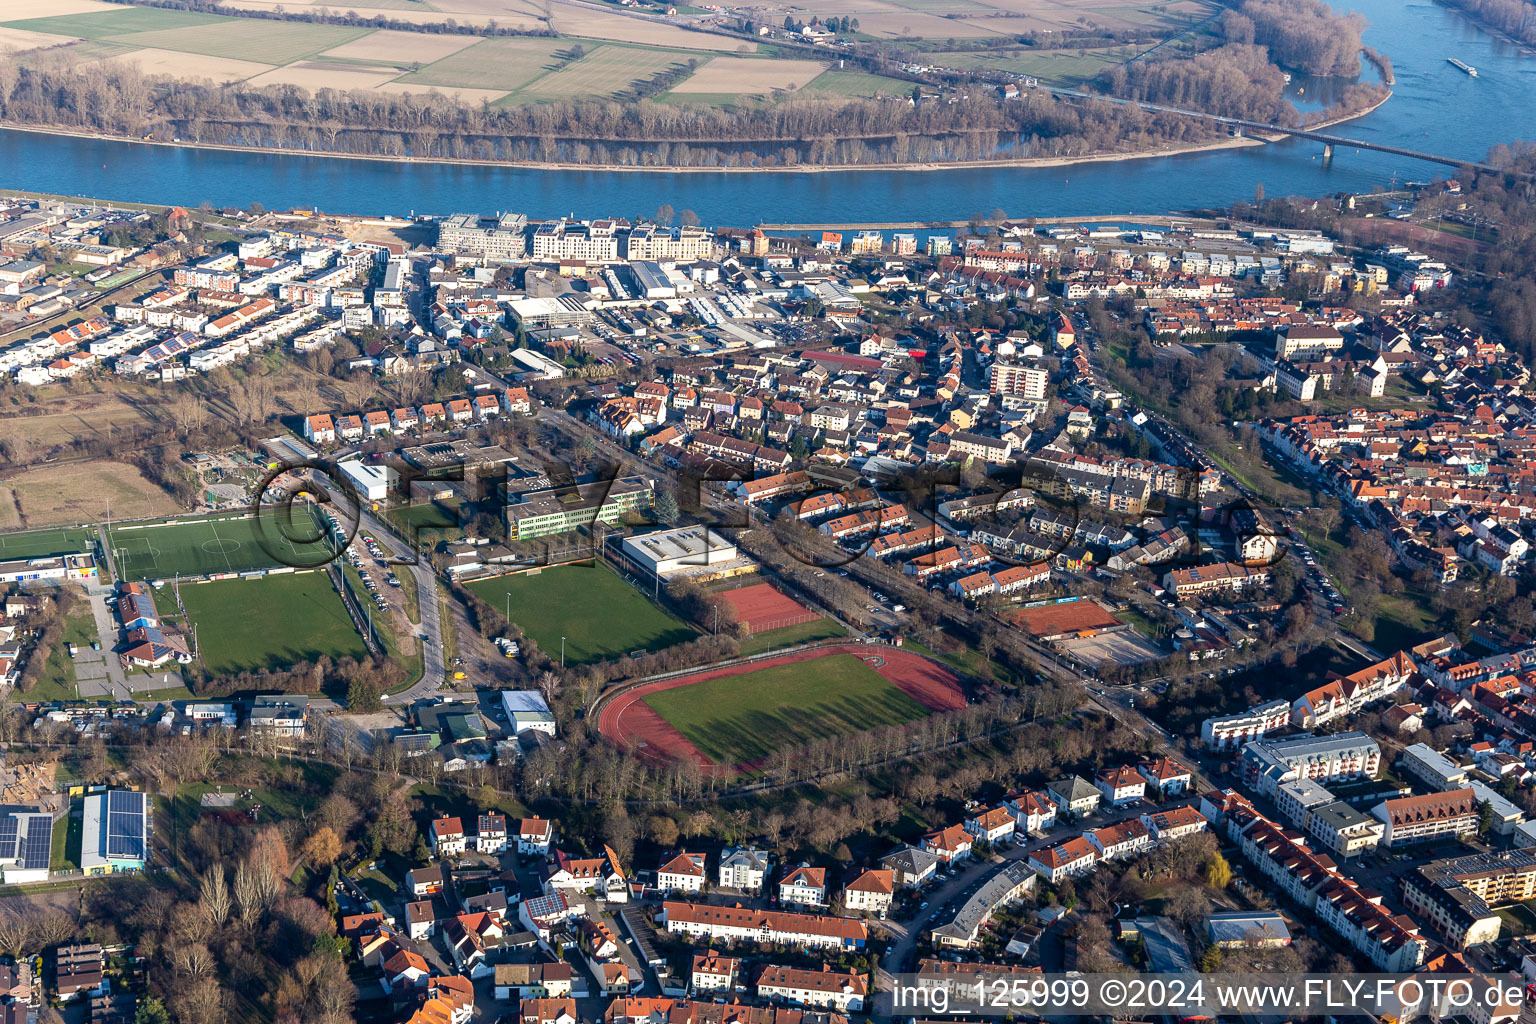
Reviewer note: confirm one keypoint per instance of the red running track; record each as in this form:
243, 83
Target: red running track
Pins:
631, 723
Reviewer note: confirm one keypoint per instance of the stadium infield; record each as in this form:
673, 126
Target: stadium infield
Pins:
219, 544
730, 720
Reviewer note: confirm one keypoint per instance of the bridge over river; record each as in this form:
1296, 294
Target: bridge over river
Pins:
1328, 139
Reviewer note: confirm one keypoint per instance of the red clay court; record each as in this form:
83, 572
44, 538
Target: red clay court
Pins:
1070, 618
630, 722
761, 607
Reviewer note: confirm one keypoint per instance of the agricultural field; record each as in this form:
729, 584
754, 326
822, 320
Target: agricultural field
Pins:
498, 65
621, 49
750, 76
73, 418
270, 622
219, 544
602, 72
81, 492
1050, 66
599, 614
742, 718
857, 83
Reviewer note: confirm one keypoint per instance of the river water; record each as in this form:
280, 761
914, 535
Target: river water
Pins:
1435, 108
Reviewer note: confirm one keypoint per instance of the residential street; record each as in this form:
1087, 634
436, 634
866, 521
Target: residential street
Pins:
905, 935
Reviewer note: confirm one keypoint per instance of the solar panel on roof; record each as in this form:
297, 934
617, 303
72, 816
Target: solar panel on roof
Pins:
8, 826
125, 824
38, 847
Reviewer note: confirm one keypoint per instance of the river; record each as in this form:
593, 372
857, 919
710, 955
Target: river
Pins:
1435, 108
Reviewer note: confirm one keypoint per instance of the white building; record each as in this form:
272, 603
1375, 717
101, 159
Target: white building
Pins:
527, 710
372, 482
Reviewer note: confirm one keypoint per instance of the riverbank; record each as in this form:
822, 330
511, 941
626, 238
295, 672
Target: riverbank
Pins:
1483, 26
1343, 118
1024, 162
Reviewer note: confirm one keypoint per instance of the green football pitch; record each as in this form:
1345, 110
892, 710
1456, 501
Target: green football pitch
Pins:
739, 718
220, 544
270, 623
599, 615
44, 543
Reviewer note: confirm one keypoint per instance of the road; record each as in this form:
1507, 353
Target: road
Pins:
905, 935
434, 671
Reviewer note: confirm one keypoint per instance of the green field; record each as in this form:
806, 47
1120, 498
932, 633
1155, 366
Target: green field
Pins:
42, 543
602, 72
856, 83
504, 64
1047, 65
742, 718
600, 616
118, 22
269, 623
821, 629
269, 42
219, 544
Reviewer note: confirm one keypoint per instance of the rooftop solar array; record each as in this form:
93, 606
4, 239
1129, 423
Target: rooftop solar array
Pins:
26, 839
125, 825
37, 843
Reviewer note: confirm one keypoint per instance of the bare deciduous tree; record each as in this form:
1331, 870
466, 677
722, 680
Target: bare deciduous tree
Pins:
214, 892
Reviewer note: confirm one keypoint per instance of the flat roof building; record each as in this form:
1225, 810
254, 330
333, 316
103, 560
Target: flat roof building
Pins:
527, 711
693, 551
115, 832
26, 846
562, 510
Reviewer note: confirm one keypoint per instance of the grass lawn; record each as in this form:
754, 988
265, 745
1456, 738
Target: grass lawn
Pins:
221, 544
58, 679
745, 717
966, 660
65, 855
1403, 620
437, 801
804, 633
167, 694
600, 615
270, 622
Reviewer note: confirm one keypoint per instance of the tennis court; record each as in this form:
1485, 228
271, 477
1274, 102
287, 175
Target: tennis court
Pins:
222, 544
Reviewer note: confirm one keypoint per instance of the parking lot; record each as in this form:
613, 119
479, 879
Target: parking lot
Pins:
91, 672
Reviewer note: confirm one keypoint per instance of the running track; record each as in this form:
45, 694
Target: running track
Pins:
630, 722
